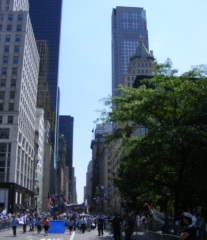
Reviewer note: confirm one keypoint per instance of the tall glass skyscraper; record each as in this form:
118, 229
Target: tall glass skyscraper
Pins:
66, 128
128, 23
46, 22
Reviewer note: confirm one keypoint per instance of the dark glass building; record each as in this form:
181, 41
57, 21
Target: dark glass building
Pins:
46, 22
66, 128
128, 23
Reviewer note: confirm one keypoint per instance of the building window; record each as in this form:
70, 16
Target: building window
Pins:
10, 119
8, 38
128, 78
1, 106
4, 133
16, 48
9, 27
11, 106
142, 130
145, 64
1, 95
14, 71
1, 17
12, 95
15, 60
0, 27
7, 1
5, 60
10, 17
3, 83
1, 119
17, 38
6, 49
146, 71
20, 17
142, 70
3, 71
13, 82
19, 28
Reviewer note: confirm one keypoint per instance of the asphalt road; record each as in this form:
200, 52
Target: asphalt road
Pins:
92, 235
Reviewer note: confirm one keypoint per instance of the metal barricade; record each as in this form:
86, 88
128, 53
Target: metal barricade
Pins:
5, 226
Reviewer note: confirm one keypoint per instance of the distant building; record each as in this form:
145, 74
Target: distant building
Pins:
128, 23
88, 195
66, 129
18, 91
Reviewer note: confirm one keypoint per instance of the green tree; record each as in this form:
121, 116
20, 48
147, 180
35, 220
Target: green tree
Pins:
172, 154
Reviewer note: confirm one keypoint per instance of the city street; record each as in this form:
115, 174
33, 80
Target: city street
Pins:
92, 235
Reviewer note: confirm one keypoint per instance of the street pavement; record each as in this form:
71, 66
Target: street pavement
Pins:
76, 235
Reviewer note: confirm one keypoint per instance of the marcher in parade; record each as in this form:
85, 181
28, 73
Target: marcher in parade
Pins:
15, 224
70, 225
201, 227
39, 225
189, 231
128, 228
46, 225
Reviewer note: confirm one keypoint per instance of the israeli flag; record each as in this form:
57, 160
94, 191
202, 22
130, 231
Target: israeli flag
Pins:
3, 212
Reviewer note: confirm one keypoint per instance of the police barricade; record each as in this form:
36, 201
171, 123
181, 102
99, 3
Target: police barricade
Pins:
57, 226
5, 225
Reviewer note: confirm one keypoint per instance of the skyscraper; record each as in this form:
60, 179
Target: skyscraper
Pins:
46, 21
18, 90
128, 23
66, 129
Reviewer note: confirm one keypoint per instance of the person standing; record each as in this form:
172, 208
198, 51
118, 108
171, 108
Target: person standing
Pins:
70, 225
46, 225
128, 228
15, 223
116, 225
24, 218
189, 231
83, 224
100, 225
201, 227
39, 225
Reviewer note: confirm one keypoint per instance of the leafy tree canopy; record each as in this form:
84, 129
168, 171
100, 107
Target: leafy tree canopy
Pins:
172, 153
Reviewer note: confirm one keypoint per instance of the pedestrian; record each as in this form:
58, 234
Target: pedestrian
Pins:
116, 225
39, 225
88, 224
33, 223
128, 228
100, 225
189, 231
201, 227
83, 224
46, 225
15, 223
24, 218
70, 225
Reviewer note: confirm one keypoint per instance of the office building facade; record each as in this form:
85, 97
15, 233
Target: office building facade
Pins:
46, 21
128, 23
19, 66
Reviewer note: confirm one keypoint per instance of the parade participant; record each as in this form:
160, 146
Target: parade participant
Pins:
189, 231
39, 225
24, 218
15, 223
33, 223
201, 227
46, 225
70, 225
88, 224
83, 224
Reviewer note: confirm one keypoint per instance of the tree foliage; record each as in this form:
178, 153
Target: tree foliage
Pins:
172, 154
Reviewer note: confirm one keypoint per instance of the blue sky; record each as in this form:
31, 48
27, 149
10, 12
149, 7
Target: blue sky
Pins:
177, 29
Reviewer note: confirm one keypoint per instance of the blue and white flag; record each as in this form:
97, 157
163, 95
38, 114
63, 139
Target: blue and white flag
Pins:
3, 212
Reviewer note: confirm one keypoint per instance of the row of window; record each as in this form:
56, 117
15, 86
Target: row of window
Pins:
5, 60
9, 119
4, 70
8, 38
10, 17
11, 95
141, 71
3, 82
11, 107
9, 27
